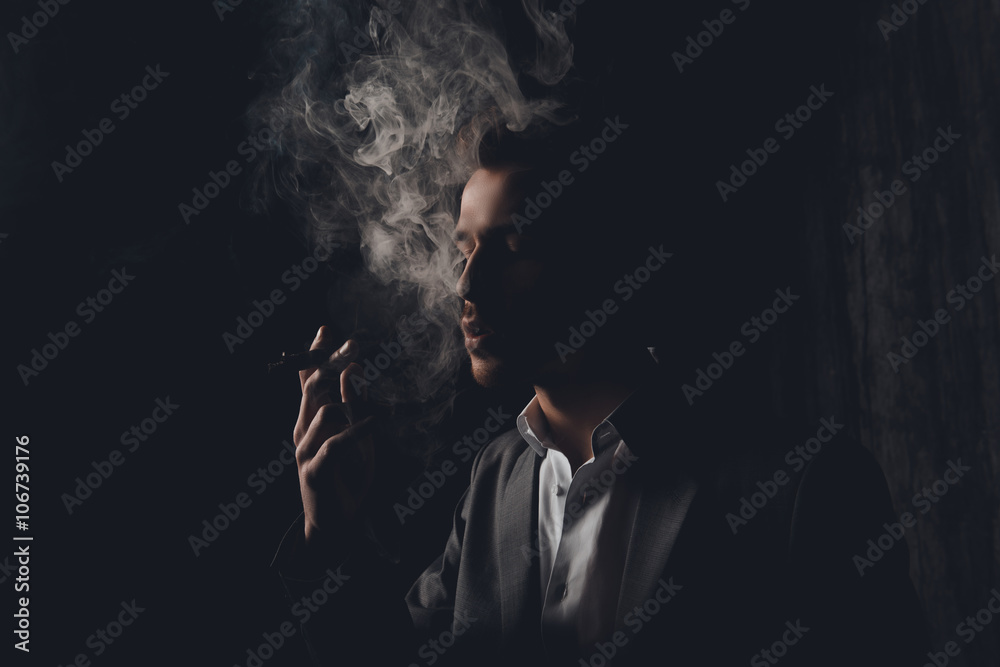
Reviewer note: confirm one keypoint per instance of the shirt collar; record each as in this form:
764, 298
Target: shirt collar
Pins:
533, 436
635, 420
534, 428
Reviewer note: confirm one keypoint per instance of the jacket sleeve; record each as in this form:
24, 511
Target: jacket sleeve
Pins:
347, 606
857, 601
431, 599
350, 606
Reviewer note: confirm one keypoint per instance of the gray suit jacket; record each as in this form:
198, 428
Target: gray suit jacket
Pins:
784, 586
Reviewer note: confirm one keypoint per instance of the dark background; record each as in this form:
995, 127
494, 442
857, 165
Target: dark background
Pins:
163, 335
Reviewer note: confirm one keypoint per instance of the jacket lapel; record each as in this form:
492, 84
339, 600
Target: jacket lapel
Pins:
659, 516
519, 568
668, 469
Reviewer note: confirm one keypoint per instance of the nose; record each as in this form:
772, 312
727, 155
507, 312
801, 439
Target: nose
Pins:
468, 283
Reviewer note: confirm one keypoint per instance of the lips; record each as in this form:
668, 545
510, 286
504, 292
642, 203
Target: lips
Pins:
476, 332
475, 327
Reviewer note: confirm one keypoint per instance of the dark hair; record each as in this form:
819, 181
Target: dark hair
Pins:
486, 141
591, 226
587, 204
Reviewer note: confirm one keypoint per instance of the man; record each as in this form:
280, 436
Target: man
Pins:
611, 525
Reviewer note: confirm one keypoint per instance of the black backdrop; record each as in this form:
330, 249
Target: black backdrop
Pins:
161, 337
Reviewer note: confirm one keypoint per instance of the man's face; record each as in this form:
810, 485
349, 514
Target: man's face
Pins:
511, 283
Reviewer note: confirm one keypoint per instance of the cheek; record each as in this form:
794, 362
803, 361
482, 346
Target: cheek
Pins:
523, 278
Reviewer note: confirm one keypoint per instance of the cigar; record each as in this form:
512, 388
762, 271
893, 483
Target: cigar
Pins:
299, 361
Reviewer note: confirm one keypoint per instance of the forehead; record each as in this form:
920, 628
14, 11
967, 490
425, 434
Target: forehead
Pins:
488, 201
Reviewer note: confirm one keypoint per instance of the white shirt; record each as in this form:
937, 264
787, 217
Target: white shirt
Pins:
584, 526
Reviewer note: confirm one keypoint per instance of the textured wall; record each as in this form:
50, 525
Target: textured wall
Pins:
939, 69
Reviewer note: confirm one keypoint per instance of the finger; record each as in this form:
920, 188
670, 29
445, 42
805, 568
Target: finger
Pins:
325, 377
337, 360
324, 341
354, 393
356, 468
305, 373
318, 389
341, 444
328, 422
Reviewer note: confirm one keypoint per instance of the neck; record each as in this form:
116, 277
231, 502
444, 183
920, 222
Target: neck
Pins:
574, 408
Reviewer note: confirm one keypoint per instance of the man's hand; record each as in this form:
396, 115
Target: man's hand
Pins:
333, 443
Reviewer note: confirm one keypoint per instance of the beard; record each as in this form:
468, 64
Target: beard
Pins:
491, 372
521, 354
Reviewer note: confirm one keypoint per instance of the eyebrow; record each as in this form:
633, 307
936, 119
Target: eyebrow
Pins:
461, 236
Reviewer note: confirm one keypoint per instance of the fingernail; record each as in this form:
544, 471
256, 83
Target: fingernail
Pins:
347, 348
319, 333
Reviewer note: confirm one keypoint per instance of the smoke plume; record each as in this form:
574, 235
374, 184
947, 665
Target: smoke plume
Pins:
365, 103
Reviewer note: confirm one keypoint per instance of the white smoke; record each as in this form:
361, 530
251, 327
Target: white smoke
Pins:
365, 151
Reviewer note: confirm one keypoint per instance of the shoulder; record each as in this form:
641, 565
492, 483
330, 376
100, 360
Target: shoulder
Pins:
789, 481
820, 458
500, 455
